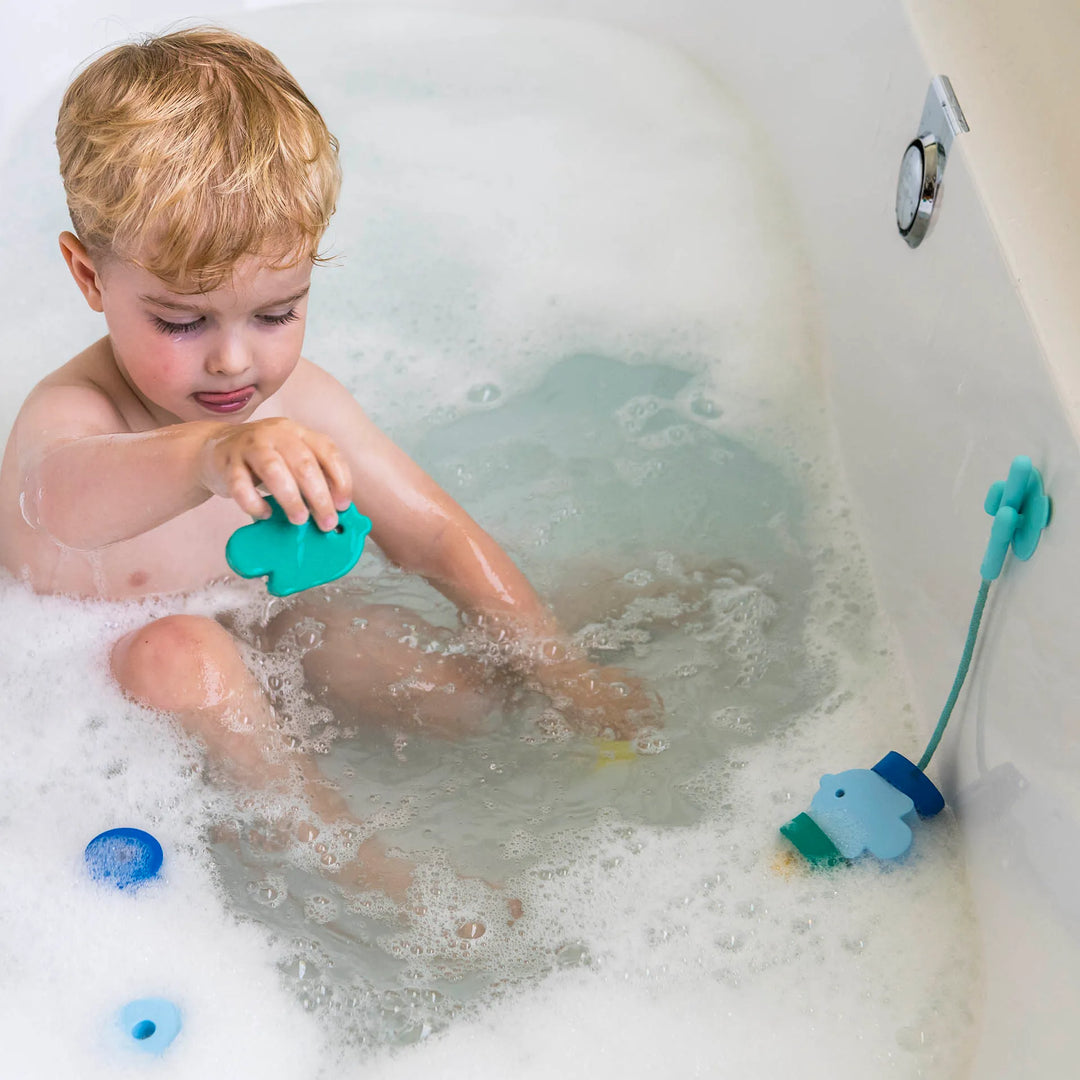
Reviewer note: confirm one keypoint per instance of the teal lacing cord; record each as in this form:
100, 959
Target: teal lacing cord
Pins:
961, 674
1021, 510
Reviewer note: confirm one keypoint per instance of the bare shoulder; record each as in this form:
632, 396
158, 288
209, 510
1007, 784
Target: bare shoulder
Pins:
87, 396
380, 469
314, 398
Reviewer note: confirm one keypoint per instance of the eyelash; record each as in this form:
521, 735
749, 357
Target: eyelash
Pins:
280, 320
187, 328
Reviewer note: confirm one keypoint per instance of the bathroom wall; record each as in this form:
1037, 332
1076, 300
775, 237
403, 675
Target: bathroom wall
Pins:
1013, 66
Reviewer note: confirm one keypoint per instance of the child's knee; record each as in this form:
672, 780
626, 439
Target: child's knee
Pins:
176, 663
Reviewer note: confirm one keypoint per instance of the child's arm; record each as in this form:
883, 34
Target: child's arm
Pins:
421, 528
415, 522
88, 481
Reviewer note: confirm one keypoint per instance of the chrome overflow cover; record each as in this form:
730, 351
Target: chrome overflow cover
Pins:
923, 165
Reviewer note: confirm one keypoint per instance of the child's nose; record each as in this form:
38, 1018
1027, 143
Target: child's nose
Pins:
228, 355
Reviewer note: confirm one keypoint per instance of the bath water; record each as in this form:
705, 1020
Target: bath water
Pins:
573, 288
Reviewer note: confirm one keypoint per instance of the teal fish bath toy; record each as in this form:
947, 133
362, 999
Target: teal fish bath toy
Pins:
872, 810
296, 557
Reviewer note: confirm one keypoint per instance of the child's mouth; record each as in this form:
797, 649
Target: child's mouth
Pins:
232, 401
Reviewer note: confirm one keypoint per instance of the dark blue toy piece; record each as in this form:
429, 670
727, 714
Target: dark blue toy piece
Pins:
907, 777
150, 1024
864, 810
124, 858
296, 557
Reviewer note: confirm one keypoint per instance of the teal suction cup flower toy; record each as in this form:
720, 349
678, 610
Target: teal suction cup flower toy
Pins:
872, 810
296, 557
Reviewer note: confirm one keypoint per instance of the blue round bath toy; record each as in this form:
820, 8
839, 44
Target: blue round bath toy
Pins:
296, 557
150, 1024
126, 858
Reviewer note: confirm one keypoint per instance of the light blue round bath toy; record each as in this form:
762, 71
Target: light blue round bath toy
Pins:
150, 1024
126, 858
296, 557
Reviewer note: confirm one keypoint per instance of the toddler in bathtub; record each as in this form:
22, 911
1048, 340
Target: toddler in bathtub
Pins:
200, 180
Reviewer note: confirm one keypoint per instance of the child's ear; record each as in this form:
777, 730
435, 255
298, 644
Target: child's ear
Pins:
82, 269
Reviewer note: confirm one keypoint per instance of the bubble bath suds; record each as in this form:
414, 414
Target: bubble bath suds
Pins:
547, 297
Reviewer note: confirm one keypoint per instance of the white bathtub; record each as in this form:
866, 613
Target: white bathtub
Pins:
935, 380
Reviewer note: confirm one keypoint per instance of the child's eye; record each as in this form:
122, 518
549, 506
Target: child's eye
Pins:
177, 327
280, 320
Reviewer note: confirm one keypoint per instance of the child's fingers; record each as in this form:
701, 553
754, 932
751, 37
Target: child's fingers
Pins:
314, 486
240, 485
277, 477
303, 470
336, 470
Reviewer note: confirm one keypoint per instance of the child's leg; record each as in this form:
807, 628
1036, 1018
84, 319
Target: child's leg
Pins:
372, 660
190, 666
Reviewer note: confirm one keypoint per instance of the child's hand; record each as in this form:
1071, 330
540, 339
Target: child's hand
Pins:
595, 698
301, 468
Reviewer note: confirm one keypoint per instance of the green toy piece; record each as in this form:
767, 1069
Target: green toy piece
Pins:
811, 841
296, 557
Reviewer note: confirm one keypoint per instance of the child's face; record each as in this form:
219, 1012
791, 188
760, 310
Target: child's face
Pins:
215, 355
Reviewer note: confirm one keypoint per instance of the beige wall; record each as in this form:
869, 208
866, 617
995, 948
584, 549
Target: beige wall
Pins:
1015, 67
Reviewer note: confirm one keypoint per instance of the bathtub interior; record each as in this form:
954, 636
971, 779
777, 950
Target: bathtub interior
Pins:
805, 178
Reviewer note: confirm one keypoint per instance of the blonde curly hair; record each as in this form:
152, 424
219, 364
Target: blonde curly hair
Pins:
186, 152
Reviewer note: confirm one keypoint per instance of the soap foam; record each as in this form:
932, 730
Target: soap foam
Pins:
79, 759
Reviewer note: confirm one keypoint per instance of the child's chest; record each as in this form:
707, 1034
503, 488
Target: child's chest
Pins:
182, 554
185, 553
